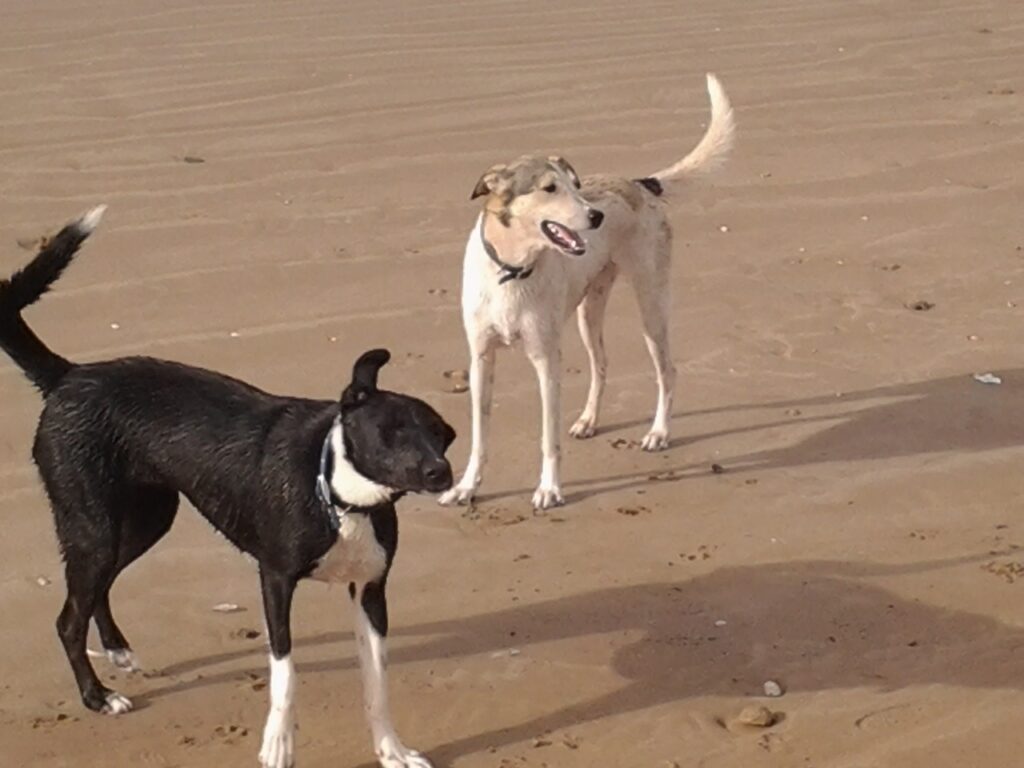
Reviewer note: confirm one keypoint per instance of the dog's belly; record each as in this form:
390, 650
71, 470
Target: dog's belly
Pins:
356, 556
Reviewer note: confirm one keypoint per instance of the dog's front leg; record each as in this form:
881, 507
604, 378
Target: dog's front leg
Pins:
547, 361
371, 629
278, 750
481, 386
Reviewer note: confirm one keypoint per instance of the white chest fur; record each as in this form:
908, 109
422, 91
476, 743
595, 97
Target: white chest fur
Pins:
356, 556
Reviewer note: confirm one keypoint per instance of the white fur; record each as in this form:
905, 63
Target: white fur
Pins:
356, 556
351, 486
116, 704
279, 733
373, 663
124, 659
91, 219
634, 238
716, 144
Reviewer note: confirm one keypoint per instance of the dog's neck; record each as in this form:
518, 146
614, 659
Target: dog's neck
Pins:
340, 487
492, 238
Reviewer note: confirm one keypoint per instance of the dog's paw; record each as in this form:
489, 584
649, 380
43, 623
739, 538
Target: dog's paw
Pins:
392, 754
456, 495
546, 497
123, 658
585, 426
655, 440
278, 750
116, 704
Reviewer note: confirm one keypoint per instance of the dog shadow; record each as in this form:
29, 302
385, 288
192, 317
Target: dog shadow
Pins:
813, 625
952, 414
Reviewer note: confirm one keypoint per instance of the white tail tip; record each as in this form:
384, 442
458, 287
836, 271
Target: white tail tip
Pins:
88, 223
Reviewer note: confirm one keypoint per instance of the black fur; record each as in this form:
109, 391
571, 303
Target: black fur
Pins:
652, 185
119, 441
43, 367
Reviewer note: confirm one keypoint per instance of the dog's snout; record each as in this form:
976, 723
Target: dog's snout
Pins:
438, 475
596, 217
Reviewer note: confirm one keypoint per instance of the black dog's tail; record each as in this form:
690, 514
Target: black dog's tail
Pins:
44, 367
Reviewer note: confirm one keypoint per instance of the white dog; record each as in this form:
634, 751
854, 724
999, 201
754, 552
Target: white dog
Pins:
527, 267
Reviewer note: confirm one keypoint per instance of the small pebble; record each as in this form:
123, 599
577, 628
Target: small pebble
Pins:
227, 608
721, 623
717, 469
233, 334
115, 326
772, 689
987, 378
42, 581
757, 716
723, 228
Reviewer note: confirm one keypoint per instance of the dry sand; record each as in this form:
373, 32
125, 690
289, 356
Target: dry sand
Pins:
862, 543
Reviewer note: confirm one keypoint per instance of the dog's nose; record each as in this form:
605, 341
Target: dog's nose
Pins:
438, 475
596, 217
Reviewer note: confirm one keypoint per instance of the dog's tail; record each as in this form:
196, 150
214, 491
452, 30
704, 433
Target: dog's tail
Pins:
44, 367
712, 148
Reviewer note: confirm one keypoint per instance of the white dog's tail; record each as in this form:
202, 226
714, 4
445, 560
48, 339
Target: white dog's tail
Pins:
713, 147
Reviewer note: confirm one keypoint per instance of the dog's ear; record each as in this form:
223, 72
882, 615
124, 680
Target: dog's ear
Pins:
488, 181
562, 163
449, 435
364, 377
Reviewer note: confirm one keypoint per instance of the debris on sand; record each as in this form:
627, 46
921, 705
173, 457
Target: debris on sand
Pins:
772, 689
458, 380
987, 378
717, 469
227, 608
921, 305
757, 716
193, 159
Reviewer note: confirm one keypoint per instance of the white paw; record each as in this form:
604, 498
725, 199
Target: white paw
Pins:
546, 497
457, 495
393, 755
124, 659
278, 748
655, 440
116, 704
585, 426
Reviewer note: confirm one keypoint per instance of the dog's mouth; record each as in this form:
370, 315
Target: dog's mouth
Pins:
563, 237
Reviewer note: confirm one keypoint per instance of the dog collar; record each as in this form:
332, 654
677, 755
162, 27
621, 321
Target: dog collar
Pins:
334, 507
506, 271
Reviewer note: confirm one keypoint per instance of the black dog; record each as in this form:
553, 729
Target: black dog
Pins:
306, 487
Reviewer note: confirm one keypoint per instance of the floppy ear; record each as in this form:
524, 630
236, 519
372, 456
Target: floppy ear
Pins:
364, 377
562, 163
449, 436
488, 181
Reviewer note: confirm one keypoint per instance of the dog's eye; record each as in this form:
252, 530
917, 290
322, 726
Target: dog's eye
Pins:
551, 187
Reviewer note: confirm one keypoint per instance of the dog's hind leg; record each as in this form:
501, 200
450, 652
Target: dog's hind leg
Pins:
651, 284
590, 315
278, 748
147, 514
88, 533
481, 385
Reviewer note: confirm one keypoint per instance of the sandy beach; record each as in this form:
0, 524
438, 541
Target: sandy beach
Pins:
288, 186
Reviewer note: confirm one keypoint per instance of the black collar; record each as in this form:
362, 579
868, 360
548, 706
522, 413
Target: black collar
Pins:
334, 507
507, 271
331, 503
